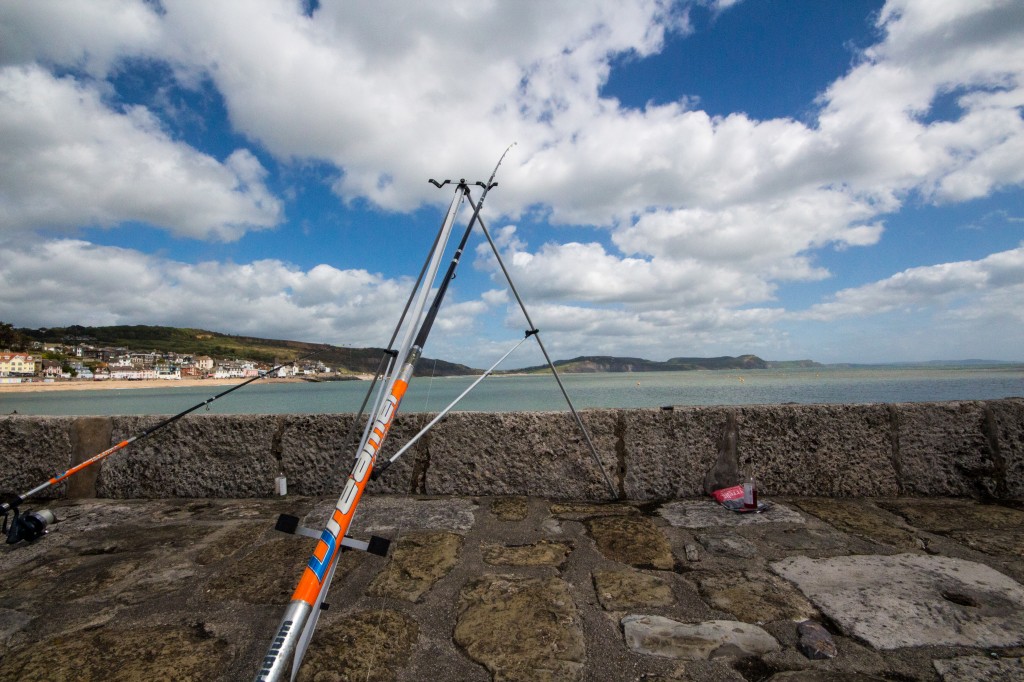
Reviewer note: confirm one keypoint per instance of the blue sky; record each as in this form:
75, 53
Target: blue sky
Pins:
834, 181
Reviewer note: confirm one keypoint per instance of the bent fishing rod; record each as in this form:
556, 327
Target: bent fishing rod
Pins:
296, 628
28, 527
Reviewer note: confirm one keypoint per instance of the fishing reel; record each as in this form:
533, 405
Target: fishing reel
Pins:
28, 525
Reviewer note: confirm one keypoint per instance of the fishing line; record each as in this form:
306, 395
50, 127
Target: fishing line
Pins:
558, 379
378, 471
383, 603
299, 618
430, 385
11, 501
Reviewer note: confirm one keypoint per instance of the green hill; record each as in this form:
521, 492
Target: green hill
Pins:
226, 346
347, 360
608, 363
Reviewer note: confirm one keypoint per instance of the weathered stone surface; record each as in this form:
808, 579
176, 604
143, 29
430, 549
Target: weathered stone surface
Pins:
316, 457
710, 514
816, 642
208, 455
660, 636
728, 544
912, 600
945, 515
510, 508
753, 596
994, 542
944, 449
227, 544
692, 552
11, 621
33, 449
365, 645
667, 452
577, 511
633, 540
630, 590
811, 540
1007, 425
269, 574
823, 676
543, 553
521, 628
36, 584
216, 567
418, 561
726, 471
860, 518
381, 513
538, 454
89, 437
968, 448
972, 668
831, 450
165, 652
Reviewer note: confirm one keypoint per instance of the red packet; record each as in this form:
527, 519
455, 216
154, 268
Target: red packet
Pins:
724, 494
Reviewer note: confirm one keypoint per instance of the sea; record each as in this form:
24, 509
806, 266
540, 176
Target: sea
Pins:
536, 393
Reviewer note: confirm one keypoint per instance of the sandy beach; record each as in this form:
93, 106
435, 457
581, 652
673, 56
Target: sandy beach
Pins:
73, 385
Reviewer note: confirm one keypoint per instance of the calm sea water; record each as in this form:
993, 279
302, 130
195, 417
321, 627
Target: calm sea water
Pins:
540, 393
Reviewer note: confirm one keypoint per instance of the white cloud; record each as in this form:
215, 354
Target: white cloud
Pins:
99, 285
67, 161
87, 35
964, 289
693, 222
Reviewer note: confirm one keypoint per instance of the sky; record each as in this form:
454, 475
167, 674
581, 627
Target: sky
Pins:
841, 181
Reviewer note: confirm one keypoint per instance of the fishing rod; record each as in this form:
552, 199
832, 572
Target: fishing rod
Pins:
379, 471
388, 356
31, 525
536, 335
296, 627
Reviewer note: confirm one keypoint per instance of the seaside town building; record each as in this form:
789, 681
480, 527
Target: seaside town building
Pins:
90, 363
18, 365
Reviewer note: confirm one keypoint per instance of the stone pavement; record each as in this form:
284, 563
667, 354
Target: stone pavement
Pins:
512, 588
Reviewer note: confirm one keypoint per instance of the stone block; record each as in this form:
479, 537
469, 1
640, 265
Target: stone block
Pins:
1009, 430
660, 636
521, 628
89, 437
538, 454
317, 458
196, 456
827, 450
943, 449
32, 450
667, 453
908, 600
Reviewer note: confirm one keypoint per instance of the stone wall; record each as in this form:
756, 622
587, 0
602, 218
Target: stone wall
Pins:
969, 449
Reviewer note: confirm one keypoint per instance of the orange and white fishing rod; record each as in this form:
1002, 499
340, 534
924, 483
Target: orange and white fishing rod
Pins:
296, 627
19, 531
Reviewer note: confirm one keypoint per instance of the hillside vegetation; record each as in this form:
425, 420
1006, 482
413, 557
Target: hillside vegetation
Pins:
608, 363
352, 360
225, 346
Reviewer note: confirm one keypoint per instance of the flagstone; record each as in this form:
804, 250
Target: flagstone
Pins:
633, 540
417, 562
660, 636
709, 514
521, 628
624, 590
912, 600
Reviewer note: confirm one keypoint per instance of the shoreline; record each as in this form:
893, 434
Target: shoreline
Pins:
124, 384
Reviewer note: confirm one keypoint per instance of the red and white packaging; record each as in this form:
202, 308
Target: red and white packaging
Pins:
733, 493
